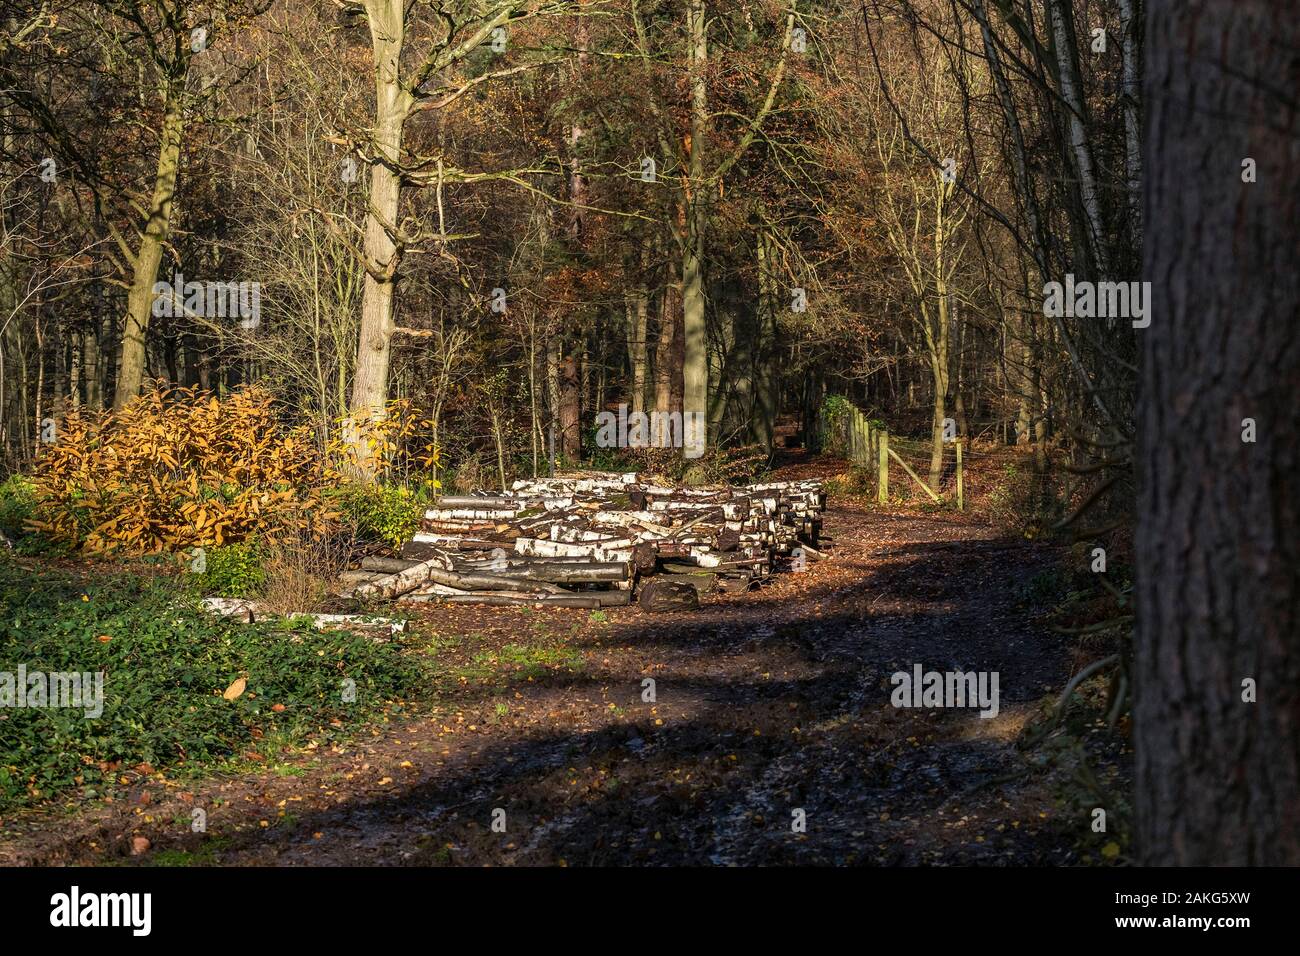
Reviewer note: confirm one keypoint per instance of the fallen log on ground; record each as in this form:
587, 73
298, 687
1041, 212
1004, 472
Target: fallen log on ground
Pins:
248, 612
555, 570
403, 581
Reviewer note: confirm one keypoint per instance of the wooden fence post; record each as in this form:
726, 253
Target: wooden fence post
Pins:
882, 473
961, 500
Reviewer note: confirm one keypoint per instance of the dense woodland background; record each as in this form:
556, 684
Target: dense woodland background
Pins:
913, 172
515, 214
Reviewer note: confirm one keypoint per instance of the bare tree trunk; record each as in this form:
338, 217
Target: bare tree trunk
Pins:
553, 399
729, 365
535, 361
695, 365
1065, 45
577, 181
766, 390
586, 386
382, 255
62, 371
74, 372
1130, 13
40, 377
205, 373
148, 257
24, 390
498, 438
666, 366
90, 367
1218, 535
938, 347
570, 393
939, 376
677, 357
637, 306
957, 377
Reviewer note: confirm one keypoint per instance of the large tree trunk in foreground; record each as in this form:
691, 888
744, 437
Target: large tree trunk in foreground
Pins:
1218, 549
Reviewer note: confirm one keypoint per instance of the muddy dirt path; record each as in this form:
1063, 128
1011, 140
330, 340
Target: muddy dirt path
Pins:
768, 707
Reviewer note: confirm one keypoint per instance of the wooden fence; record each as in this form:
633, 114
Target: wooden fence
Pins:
866, 443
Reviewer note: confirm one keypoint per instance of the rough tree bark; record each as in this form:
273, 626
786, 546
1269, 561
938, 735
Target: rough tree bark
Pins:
668, 350
1218, 537
637, 305
695, 365
767, 376
1065, 45
570, 407
392, 105
153, 239
398, 94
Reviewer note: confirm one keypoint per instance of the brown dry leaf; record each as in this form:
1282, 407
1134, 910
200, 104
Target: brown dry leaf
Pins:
235, 689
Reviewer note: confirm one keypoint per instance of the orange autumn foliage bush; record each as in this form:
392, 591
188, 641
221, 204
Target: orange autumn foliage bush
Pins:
394, 447
179, 468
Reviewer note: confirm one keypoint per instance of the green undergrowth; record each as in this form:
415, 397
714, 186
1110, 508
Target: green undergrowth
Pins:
165, 666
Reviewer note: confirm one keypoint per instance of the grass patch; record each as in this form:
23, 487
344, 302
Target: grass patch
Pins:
205, 855
165, 665
519, 662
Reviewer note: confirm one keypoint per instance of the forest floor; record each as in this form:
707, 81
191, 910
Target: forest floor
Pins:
766, 703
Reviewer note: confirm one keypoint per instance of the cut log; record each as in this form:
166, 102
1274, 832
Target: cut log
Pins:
350, 621
592, 536
572, 573
403, 581
474, 581
453, 515
387, 565
477, 501
537, 547
664, 594
425, 545
353, 578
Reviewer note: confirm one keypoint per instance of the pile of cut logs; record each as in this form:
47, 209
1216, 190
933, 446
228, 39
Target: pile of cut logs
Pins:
599, 540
